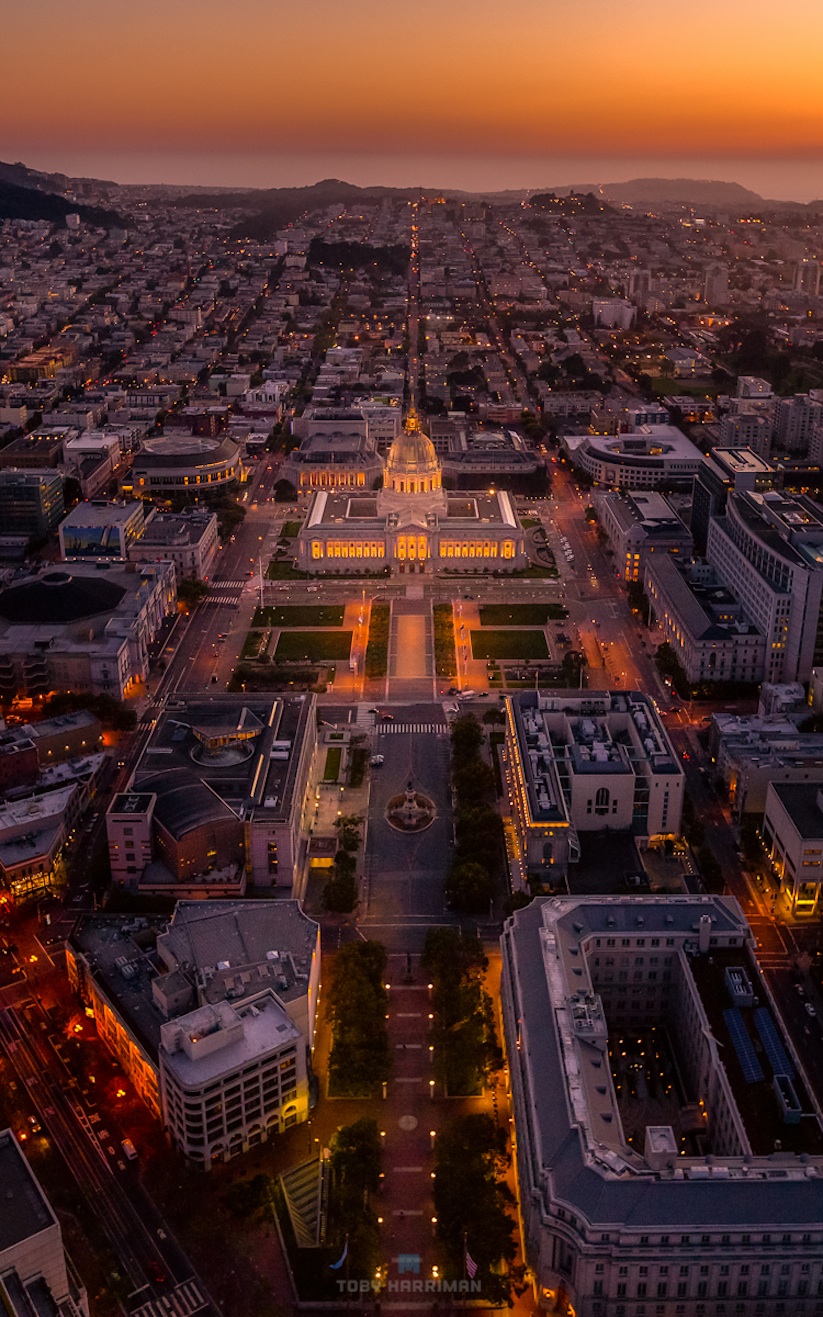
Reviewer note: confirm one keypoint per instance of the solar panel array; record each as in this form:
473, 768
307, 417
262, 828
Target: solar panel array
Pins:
773, 1047
746, 1055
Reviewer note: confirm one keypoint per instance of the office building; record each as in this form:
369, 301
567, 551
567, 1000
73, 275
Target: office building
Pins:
640, 525
708, 629
212, 1014
648, 458
99, 529
587, 761
793, 838
37, 1278
31, 503
669, 1147
750, 751
768, 551
190, 539
724, 471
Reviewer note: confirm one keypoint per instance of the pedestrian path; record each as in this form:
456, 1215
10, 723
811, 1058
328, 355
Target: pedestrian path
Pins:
222, 590
183, 1301
387, 728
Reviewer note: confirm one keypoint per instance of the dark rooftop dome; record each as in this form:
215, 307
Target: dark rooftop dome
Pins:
58, 597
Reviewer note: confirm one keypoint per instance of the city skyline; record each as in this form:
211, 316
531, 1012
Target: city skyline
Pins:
442, 98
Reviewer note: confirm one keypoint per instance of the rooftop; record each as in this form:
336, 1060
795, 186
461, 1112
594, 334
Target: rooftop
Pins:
24, 1211
802, 803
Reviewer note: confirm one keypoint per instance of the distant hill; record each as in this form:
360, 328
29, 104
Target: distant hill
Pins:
675, 192
272, 209
26, 203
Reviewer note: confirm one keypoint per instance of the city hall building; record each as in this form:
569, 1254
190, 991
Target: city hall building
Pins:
412, 524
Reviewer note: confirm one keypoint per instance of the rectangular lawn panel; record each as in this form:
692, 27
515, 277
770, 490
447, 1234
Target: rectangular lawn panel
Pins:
291, 615
313, 647
332, 769
513, 614
509, 645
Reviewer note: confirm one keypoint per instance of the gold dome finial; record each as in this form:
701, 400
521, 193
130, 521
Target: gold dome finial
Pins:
412, 421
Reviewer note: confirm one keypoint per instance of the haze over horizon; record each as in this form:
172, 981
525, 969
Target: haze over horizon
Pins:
464, 95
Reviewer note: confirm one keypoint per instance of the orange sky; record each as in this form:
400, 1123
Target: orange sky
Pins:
438, 77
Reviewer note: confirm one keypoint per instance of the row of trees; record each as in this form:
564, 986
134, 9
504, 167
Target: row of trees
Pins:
360, 1059
466, 1051
354, 1171
472, 1201
478, 828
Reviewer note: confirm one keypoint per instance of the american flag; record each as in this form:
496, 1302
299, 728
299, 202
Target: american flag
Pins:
471, 1266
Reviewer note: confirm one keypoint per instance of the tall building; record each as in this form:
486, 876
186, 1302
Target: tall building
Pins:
36, 1276
768, 551
724, 471
31, 502
669, 1148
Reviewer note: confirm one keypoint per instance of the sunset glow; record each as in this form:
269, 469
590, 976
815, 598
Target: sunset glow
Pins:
532, 79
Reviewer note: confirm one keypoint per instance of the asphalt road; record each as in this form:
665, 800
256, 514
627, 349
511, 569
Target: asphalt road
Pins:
404, 873
140, 1238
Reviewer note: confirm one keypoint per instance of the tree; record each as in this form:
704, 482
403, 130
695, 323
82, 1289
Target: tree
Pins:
466, 737
470, 887
360, 1059
190, 591
340, 892
471, 1199
590, 514
354, 1169
473, 782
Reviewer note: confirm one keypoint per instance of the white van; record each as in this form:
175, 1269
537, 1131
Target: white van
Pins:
129, 1150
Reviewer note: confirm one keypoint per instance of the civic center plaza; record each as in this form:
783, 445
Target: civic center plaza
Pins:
412, 524
669, 1147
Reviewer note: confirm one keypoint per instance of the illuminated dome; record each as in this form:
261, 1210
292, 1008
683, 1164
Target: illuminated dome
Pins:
412, 466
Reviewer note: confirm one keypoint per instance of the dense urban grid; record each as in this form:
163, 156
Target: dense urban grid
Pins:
411, 751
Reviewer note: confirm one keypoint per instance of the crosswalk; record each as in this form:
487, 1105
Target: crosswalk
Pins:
225, 591
406, 729
183, 1301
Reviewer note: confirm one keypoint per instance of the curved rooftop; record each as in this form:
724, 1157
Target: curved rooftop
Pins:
187, 449
59, 597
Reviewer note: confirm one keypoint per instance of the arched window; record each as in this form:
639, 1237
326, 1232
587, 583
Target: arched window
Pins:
601, 801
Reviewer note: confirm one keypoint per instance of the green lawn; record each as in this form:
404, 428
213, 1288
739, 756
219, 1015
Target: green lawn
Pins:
509, 645
291, 615
444, 660
291, 529
313, 647
332, 769
279, 570
377, 648
253, 645
535, 569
